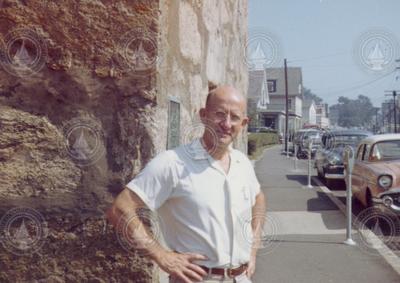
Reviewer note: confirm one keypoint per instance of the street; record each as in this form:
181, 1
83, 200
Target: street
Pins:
306, 229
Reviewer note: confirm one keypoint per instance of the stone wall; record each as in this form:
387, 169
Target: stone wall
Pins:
203, 42
85, 88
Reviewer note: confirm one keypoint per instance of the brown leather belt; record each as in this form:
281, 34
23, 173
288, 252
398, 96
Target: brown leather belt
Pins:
226, 272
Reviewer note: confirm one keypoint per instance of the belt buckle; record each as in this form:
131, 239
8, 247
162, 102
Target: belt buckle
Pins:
228, 272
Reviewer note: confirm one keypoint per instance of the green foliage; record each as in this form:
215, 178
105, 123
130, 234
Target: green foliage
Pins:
257, 141
309, 95
354, 112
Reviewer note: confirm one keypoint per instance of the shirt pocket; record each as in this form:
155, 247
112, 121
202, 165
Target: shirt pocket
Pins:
241, 197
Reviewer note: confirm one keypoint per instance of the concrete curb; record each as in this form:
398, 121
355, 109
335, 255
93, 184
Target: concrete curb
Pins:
390, 257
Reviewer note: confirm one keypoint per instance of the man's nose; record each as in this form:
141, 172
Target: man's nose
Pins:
226, 122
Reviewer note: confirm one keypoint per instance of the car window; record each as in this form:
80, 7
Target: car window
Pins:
348, 139
360, 151
366, 152
386, 150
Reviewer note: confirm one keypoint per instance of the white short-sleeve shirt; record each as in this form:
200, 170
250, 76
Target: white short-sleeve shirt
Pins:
201, 209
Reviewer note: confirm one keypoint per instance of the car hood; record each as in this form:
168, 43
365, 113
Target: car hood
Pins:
390, 167
338, 151
387, 167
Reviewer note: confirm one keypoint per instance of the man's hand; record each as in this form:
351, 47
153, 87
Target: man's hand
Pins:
180, 266
251, 268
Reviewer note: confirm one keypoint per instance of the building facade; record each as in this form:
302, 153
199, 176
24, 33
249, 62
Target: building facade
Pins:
270, 83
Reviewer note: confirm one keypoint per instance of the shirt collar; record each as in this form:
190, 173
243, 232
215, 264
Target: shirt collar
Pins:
196, 151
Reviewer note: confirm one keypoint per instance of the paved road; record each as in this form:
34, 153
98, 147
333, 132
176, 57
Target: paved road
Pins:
306, 232
388, 229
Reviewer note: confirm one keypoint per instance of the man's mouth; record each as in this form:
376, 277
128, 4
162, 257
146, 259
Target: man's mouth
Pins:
223, 134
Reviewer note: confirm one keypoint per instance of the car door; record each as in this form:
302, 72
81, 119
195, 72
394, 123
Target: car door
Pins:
356, 177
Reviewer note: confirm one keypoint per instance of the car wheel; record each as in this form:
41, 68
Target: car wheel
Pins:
369, 199
320, 174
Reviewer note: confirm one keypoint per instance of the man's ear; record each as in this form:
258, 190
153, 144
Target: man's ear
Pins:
245, 121
202, 113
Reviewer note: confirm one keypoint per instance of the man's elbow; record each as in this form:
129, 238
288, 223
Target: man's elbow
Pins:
112, 214
125, 203
115, 211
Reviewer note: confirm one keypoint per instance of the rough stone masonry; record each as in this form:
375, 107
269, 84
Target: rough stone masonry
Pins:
89, 92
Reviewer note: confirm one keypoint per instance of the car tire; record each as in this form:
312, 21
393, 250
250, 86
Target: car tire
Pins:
320, 174
369, 198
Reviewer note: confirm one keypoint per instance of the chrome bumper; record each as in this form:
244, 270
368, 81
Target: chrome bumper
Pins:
386, 199
334, 176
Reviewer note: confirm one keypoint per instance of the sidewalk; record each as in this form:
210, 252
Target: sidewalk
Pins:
306, 232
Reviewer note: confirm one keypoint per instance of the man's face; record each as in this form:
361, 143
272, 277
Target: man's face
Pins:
224, 116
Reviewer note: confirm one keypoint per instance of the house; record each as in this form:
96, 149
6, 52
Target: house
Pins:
322, 115
309, 112
270, 84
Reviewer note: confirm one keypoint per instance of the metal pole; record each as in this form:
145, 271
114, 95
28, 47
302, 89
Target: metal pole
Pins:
287, 110
349, 161
295, 157
309, 164
394, 108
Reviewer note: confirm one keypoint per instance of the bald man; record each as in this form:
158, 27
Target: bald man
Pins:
205, 193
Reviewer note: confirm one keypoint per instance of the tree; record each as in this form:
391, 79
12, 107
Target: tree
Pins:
309, 95
354, 112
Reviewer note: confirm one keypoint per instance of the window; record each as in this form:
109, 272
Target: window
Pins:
360, 151
271, 85
289, 104
366, 152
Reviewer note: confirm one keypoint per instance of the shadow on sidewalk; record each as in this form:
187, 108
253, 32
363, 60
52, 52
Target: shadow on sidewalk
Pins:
302, 179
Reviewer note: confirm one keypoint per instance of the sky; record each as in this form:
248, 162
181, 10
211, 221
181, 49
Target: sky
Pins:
344, 47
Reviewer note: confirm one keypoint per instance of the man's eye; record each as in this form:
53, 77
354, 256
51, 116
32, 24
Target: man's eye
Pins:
220, 114
235, 118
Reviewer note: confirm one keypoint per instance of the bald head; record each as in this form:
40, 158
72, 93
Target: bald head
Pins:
224, 93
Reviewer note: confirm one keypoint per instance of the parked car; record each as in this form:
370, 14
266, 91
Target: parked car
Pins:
376, 172
301, 139
329, 158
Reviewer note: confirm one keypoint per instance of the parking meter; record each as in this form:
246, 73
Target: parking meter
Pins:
309, 146
348, 162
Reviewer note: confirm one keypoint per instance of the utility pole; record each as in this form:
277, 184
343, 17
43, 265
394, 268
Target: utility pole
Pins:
394, 111
394, 93
287, 109
376, 119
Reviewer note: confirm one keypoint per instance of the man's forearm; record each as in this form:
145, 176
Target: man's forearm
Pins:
257, 222
125, 217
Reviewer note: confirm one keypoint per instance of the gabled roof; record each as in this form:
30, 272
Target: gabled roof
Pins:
295, 79
255, 84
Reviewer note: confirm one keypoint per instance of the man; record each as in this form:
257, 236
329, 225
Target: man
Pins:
205, 193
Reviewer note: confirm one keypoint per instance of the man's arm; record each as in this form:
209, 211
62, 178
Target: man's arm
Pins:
124, 212
257, 224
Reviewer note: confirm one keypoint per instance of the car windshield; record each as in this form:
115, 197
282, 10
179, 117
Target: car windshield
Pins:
312, 135
386, 150
342, 140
